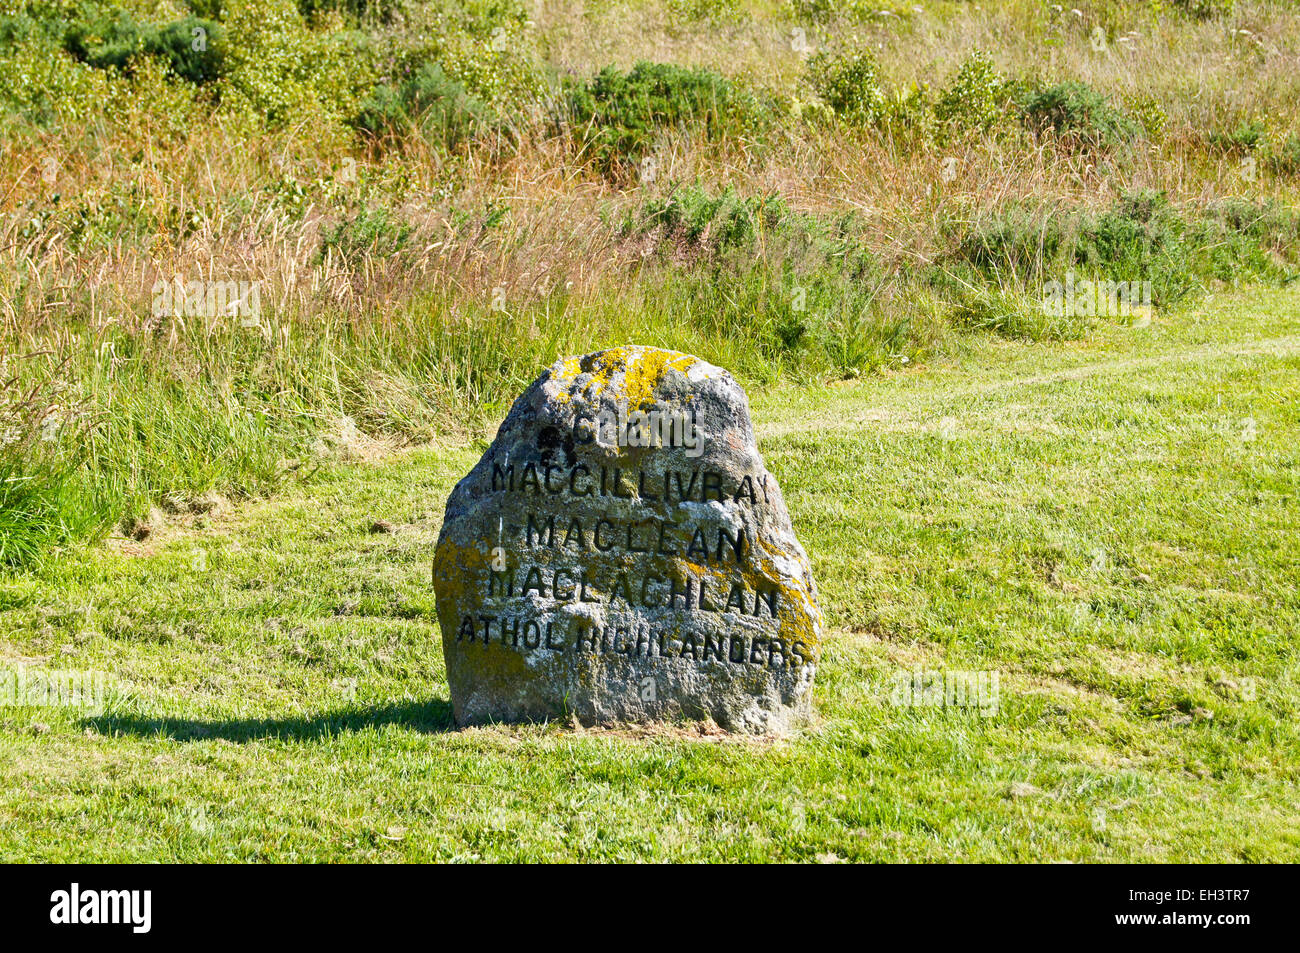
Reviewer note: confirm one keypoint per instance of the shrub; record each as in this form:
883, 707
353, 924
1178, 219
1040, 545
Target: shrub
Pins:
194, 49
692, 219
483, 44
850, 84
176, 44
482, 17
281, 72
508, 78
1270, 225
430, 102
1285, 158
1205, 9
41, 81
1080, 115
794, 283
910, 112
382, 11
370, 232
1141, 238
107, 40
718, 223
1245, 138
826, 11
1149, 114
976, 97
20, 28
1137, 240
1019, 242
616, 116
804, 289
688, 11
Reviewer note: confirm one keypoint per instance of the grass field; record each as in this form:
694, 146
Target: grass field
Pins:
1109, 525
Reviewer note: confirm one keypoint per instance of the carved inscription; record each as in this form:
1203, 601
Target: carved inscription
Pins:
621, 552
542, 576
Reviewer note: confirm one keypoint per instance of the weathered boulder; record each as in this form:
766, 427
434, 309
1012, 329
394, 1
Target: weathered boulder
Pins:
621, 554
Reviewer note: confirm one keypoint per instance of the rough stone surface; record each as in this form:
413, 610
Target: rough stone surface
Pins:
598, 563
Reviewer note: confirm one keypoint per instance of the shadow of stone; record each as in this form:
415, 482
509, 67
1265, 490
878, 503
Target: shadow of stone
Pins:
429, 717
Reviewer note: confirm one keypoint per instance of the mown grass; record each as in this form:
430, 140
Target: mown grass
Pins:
1109, 524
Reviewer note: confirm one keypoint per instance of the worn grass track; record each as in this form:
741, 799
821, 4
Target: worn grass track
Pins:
1111, 526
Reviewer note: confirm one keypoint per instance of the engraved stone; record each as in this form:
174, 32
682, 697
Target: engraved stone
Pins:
621, 554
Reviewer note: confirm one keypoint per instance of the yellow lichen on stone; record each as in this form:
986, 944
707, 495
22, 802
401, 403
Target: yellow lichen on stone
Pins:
571, 367
642, 371
643, 374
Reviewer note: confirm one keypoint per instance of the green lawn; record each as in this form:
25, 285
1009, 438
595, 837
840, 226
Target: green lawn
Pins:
1111, 526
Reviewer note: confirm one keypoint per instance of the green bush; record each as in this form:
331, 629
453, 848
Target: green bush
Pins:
282, 72
1269, 225
976, 97
429, 102
20, 28
1285, 158
1019, 242
1139, 239
689, 11
370, 232
827, 11
1246, 137
486, 45
693, 220
801, 288
1149, 114
850, 84
256, 58
194, 49
693, 217
616, 116
1080, 115
41, 81
357, 11
1205, 9
481, 18
509, 78
912, 112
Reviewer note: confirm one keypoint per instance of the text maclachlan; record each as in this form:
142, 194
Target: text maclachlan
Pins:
649, 590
